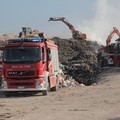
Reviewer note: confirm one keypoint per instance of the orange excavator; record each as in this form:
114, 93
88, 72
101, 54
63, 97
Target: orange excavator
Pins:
75, 33
110, 54
115, 30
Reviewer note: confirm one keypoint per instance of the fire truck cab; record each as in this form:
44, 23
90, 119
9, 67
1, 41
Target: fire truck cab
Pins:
30, 65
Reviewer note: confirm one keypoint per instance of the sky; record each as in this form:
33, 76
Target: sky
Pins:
96, 18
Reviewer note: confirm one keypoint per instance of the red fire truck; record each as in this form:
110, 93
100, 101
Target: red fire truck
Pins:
30, 64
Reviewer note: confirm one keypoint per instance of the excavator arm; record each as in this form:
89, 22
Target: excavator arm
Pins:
71, 27
115, 31
75, 33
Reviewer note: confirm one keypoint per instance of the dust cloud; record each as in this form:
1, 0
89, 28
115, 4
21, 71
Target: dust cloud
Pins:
105, 18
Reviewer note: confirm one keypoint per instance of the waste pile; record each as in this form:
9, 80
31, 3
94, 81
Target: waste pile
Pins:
79, 59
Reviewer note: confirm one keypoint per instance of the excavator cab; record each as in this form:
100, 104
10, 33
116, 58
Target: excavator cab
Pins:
77, 35
26, 30
50, 19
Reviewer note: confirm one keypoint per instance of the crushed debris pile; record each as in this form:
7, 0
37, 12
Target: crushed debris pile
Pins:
79, 59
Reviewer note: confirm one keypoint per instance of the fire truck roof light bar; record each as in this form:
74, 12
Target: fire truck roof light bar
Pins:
24, 40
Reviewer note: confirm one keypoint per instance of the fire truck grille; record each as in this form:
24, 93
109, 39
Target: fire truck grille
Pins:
22, 84
21, 73
20, 78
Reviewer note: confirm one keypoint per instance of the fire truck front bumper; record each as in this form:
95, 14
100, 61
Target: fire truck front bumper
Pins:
22, 89
39, 86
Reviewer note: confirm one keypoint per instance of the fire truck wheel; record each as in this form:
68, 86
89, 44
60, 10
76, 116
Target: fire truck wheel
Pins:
44, 92
7, 94
48, 87
56, 87
0, 82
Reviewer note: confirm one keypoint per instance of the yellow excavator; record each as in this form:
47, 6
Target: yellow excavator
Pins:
27, 32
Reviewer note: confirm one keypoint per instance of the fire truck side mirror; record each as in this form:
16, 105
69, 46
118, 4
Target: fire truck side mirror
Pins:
48, 51
49, 57
43, 55
1, 56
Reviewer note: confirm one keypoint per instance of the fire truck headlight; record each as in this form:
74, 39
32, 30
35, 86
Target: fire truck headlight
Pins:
37, 83
4, 83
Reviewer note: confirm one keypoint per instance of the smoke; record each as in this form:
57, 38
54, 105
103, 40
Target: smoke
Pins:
106, 17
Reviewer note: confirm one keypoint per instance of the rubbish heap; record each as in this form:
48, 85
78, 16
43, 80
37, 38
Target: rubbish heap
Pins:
79, 59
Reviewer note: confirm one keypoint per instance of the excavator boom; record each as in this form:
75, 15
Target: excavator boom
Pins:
71, 27
75, 33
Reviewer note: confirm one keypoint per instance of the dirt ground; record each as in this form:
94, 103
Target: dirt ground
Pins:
100, 101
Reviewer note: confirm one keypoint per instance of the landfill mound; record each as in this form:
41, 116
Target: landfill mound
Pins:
79, 59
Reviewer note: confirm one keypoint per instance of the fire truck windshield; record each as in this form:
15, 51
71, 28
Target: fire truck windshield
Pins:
21, 54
